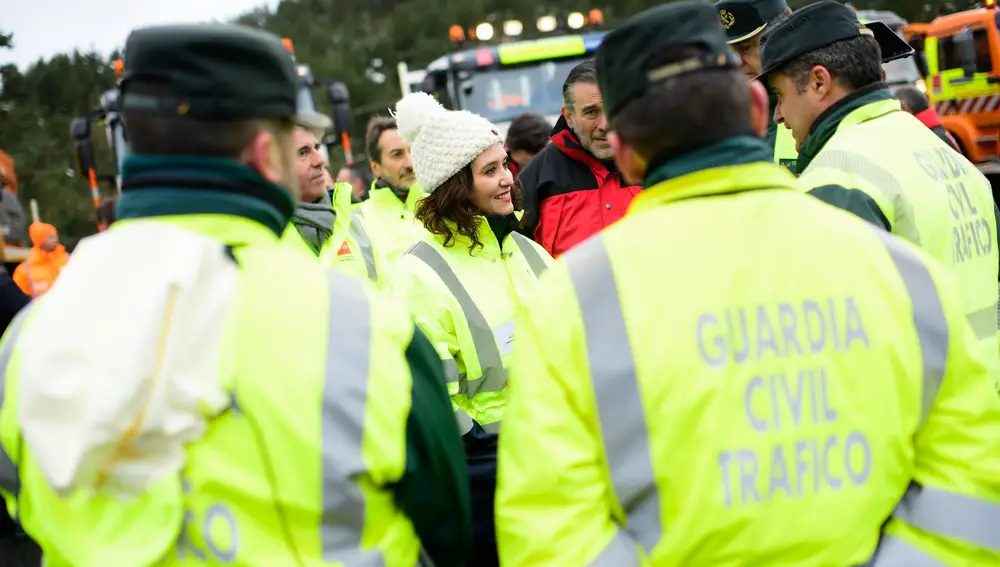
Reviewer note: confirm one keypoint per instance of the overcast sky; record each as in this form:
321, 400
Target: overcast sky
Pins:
43, 28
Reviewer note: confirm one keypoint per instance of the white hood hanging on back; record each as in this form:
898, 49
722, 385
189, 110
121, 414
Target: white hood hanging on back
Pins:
119, 362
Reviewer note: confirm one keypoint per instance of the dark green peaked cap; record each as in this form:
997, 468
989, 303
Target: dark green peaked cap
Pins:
819, 25
213, 72
626, 60
743, 19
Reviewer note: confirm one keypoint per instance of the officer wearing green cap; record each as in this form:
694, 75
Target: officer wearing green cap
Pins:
735, 372
325, 433
745, 22
860, 151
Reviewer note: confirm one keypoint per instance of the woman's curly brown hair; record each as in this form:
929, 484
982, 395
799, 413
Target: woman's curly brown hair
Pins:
452, 202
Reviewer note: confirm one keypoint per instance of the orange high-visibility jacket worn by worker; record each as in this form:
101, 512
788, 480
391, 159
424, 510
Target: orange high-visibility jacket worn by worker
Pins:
36, 274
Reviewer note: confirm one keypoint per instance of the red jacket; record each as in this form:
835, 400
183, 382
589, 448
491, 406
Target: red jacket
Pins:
569, 195
931, 119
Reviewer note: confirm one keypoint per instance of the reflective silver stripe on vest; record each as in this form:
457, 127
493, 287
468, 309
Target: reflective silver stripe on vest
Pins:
616, 390
345, 397
357, 232
926, 508
616, 385
465, 423
9, 477
530, 254
928, 316
450, 368
494, 376
951, 515
984, 322
620, 552
463, 420
452, 376
895, 552
905, 223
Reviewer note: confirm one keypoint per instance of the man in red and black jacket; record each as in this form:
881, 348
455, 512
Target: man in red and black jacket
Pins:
572, 189
916, 103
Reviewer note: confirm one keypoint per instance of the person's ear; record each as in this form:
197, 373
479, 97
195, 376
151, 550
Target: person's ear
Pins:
760, 108
820, 81
631, 165
567, 113
262, 155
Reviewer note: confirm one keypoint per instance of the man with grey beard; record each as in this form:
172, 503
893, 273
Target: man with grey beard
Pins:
572, 189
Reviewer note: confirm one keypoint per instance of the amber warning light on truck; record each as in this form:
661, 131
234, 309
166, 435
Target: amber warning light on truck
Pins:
485, 31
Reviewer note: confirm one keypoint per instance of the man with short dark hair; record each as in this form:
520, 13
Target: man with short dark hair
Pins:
383, 227
527, 135
745, 21
281, 402
916, 103
389, 156
715, 378
572, 189
859, 151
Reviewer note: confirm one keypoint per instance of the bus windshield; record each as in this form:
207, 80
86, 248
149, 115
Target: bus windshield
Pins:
502, 94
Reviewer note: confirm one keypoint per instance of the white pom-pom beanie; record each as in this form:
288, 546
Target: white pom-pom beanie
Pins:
442, 141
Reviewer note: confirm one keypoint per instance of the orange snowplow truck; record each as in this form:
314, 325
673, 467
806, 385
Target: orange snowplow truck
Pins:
960, 56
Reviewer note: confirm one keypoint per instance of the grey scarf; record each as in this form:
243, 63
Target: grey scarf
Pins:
314, 221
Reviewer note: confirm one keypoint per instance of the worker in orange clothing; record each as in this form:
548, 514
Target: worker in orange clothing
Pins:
47, 257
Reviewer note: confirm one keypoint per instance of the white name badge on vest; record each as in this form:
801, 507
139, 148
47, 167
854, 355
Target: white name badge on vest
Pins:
505, 338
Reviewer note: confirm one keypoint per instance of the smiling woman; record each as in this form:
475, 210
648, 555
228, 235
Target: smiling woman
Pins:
481, 189
464, 280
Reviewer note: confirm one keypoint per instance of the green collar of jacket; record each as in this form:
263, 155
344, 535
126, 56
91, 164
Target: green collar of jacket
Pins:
732, 151
859, 106
156, 186
732, 166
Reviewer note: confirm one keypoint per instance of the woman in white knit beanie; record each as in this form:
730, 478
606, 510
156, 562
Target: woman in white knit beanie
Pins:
463, 282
